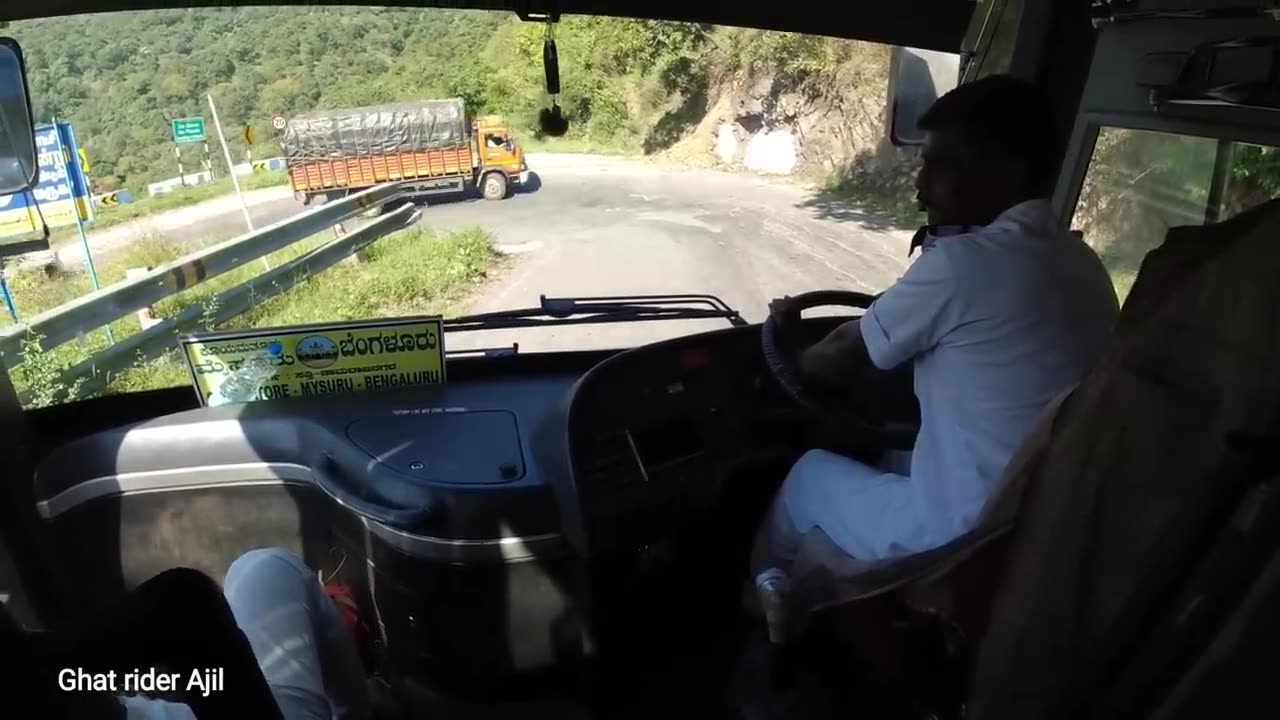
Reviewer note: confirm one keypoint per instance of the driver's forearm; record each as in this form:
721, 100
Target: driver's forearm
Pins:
836, 358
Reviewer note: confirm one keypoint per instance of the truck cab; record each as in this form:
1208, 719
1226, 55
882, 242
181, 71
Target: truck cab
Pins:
497, 152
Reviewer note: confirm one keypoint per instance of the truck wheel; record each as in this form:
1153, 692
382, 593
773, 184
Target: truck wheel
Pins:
494, 186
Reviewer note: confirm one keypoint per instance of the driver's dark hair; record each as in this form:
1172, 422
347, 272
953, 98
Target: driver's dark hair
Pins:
1007, 113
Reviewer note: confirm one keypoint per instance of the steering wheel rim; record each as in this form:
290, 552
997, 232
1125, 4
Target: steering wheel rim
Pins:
782, 365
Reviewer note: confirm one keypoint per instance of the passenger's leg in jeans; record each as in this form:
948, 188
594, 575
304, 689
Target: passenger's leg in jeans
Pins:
306, 652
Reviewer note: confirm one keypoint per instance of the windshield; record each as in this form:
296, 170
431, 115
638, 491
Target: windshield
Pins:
697, 160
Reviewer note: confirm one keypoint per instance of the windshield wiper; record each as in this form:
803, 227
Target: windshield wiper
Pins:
590, 310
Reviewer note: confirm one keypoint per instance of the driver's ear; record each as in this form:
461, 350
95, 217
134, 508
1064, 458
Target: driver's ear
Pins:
1012, 172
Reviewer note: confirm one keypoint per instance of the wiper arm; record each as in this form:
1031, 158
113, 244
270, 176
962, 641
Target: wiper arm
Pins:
589, 310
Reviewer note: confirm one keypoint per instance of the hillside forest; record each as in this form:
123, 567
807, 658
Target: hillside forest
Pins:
120, 78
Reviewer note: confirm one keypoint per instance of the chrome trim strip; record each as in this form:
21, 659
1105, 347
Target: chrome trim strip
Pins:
501, 549
187, 478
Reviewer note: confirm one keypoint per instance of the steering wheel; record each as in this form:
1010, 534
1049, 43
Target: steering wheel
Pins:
836, 408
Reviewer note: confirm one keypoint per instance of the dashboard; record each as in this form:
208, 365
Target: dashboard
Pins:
596, 461
494, 522
590, 459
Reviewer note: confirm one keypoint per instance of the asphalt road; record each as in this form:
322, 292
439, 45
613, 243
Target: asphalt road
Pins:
591, 226
600, 226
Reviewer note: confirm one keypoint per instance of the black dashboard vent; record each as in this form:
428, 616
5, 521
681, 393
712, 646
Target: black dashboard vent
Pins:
605, 462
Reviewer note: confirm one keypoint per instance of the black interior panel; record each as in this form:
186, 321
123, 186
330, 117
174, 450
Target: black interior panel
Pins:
653, 431
929, 24
466, 621
427, 447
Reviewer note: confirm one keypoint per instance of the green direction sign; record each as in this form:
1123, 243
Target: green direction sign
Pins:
188, 130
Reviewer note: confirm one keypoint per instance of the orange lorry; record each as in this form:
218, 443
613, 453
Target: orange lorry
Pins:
429, 147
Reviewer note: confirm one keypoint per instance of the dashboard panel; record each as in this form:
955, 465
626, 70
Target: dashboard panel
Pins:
602, 459
650, 430
485, 515
605, 459
465, 446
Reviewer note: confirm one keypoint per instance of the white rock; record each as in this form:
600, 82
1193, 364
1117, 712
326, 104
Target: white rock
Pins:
771, 151
726, 143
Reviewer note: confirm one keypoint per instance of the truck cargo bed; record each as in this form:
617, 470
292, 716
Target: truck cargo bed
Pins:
357, 172
360, 147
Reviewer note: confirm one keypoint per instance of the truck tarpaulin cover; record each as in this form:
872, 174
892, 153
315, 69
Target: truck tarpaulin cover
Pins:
375, 130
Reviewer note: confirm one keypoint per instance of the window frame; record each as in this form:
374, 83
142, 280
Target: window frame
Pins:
1084, 143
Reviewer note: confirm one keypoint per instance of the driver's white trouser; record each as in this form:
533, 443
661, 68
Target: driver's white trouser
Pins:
868, 512
305, 650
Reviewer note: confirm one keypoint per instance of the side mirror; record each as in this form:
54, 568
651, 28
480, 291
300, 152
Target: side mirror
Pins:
19, 171
916, 79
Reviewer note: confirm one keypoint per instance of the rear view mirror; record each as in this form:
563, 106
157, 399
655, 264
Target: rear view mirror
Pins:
18, 168
916, 79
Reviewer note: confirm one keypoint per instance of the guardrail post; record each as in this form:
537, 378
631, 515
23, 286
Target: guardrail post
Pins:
146, 316
9, 304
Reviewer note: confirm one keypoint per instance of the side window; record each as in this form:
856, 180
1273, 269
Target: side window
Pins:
1140, 183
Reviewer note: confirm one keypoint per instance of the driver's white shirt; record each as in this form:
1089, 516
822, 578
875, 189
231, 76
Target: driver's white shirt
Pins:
998, 322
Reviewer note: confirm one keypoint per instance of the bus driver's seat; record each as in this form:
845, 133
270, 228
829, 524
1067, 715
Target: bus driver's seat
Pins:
1123, 520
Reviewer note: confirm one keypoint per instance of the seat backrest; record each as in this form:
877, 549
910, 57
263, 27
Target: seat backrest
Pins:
1234, 675
1137, 474
1213, 587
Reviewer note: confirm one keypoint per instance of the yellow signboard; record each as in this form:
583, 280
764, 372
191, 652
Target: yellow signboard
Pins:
243, 366
25, 219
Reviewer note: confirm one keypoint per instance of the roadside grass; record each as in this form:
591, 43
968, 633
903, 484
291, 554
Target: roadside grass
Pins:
36, 292
106, 217
547, 144
416, 271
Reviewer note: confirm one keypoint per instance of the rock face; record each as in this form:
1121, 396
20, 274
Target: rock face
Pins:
771, 151
831, 128
726, 147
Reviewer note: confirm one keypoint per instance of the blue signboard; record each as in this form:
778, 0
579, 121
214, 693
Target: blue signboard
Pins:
62, 193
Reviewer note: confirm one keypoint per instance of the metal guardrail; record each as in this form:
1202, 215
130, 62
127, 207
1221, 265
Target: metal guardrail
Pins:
95, 373
92, 311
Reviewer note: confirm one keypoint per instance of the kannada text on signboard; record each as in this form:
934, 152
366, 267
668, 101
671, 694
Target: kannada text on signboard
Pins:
318, 361
62, 193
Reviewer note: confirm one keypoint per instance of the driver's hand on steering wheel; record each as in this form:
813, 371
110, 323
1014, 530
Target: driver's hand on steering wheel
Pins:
784, 313
786, 317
